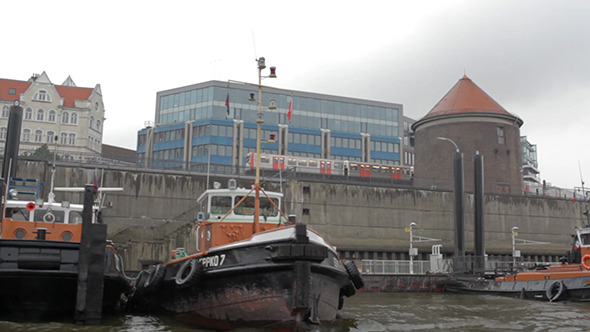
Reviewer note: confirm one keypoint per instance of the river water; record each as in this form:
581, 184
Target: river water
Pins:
366, 312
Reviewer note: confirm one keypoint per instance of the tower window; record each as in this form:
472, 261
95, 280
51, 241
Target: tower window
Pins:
500, 132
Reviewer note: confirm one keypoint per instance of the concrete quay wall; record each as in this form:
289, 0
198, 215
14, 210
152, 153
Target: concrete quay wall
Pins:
155, 212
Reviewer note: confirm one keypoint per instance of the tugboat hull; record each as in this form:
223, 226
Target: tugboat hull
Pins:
39, 279
274, 284
550, 289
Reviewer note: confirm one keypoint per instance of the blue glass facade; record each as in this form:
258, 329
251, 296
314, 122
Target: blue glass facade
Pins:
193, 124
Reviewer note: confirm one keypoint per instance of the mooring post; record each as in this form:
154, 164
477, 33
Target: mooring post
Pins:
91, 265
459, 259
479, 230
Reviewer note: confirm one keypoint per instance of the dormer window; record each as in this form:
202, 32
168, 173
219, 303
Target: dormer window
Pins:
12, 91
41, 95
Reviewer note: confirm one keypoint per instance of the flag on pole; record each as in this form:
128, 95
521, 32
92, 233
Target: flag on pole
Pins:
290, 109
227, 103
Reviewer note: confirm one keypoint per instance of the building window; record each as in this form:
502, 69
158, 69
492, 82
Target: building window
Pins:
91, 122
65, 117
41, 95
51, 137
3, 133
40, 115
51, 116
500, 132
38, 135
72, 139
28, 114
63, 138
98, 126
12, 91
26, 135
74, 118
5, 111
96, 106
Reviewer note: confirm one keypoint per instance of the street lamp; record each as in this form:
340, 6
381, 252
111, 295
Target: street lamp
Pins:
259, 120
413, 252
449, 140
514, 251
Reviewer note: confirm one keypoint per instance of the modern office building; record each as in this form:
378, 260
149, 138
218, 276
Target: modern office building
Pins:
215, 123
68, 118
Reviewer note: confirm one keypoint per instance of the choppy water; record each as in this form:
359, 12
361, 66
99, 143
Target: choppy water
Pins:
389, 312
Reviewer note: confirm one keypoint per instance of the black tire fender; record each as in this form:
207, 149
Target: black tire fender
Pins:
156, 276
555, 290
354, 274
189, 273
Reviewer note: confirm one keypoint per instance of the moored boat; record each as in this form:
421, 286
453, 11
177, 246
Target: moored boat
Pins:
40, 258
569, 280
54, 258
270, 274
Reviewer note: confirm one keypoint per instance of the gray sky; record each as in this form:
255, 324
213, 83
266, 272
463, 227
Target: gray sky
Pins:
530, 56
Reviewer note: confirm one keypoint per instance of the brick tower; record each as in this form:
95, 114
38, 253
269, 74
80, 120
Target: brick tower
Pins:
473, 121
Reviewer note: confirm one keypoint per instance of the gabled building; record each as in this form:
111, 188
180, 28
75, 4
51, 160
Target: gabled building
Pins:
68, 118
474, 123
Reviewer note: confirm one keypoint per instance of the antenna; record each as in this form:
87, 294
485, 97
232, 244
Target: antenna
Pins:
586, 212
254, 44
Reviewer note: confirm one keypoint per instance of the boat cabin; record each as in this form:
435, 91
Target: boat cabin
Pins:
581, 242
221, 205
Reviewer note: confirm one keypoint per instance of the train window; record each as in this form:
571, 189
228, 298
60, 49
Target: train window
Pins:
354, 166
264, 159
313, 163
302, 162
337, 165
376, 167
292, 162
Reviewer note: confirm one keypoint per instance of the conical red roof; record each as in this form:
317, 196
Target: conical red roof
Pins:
466, 97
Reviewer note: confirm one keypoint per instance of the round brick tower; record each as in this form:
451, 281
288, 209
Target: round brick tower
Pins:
473, 121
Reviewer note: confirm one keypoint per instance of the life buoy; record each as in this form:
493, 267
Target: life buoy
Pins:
49, 217
554, 290
155, 276
354, 274
586, 266
189, 273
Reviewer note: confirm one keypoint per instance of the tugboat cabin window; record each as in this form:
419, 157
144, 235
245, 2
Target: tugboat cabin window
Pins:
45, 215
247, 206
585, 238
221, 204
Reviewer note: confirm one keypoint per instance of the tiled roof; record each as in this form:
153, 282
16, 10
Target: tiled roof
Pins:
70, 94
6, 85
466, 97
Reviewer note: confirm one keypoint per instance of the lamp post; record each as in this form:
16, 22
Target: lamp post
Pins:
514, 235
458, 189
259, 121
412, 251
449, 140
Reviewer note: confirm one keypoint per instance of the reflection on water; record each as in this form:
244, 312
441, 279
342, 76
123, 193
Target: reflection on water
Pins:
388, 312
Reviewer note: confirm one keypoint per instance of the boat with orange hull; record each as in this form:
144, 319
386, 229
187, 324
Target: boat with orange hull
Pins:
569, 280
244, 274
39, 259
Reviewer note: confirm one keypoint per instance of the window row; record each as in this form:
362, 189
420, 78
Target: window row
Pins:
38, 136
51, 116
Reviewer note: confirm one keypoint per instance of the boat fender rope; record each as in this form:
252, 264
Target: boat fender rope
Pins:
189, 273
49, 217
584, 264
554, 290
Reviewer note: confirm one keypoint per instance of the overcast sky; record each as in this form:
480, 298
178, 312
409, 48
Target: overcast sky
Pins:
532, 57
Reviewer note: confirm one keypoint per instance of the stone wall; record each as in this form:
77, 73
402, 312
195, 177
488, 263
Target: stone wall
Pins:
155, 212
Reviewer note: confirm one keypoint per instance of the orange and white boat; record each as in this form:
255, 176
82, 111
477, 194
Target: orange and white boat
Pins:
569, 280
39, 259
270, 274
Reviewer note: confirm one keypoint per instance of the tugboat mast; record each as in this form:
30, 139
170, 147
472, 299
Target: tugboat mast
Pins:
259, 121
